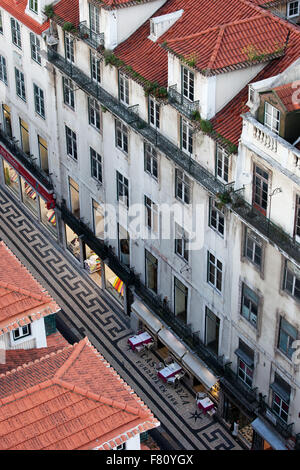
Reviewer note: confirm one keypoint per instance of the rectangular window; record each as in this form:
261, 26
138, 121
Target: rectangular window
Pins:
35, 47
94, 19
292, 280
260, 189
94, 113
253, 248
216, 218
7, 120
287, 335
39, 101
297, 219
20, 84
3, 70
96, 165
222, 164
21, 332
181, 242
249, 305
214, 272
293, 9
281, 397
151, 271
29, 196
1, 23
124, 246
71, 142
245, 363
180, 300
98, 220
245, 373
182, 186
154, 113
95, 67
188, 84
122, 189
150, 160
69, 48
43, 153
33, 5
272, 118
11, 178
74, 197
16, 33
121, 136
186, 137
68, 92
151, 215
123, 89
212, 329
24, 131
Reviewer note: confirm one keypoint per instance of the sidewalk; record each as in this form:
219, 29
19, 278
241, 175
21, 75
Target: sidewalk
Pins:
88, 311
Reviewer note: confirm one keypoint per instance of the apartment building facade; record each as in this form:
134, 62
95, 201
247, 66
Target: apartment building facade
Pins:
125, 118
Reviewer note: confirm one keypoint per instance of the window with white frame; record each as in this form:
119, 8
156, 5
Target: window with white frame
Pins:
21, 332
245, 363
1, 23
3, 70
272, 118
151, 214
35, 47
96, 165
95, 67
186, 136
69, 48
16, 33
180, 300
68, 92
214, 271
94, 113
39, 100
253, 250
293, 9
188, 84
222, 164
245, 373
121, 136
154, 113
71, 142
123, 89
292, 279
122, 189
33, 5
182, 186
94, 18
181, 242
216, 218
151, 265
249, 305
20, 84
281, 397
287, 335
150, 160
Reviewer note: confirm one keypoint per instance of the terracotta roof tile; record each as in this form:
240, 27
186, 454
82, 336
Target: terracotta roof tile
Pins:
285, 93
17, 9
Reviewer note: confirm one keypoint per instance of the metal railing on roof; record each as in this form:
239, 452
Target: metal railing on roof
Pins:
90, 37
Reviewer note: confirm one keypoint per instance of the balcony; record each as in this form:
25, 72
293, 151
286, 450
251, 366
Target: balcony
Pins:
92, 39
264, 411
266, 227
182, 104
203, 176
26, 162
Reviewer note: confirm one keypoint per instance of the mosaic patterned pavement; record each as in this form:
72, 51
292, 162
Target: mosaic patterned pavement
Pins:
87, 310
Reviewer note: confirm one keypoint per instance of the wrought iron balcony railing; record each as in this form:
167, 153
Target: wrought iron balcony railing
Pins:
284, 429
245, 394
26, 161
92, 39
181, 103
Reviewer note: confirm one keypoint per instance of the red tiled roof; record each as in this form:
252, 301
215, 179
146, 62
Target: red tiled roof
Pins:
286, 93
68, 10
14, 358
20, 294
50, 405
17, 10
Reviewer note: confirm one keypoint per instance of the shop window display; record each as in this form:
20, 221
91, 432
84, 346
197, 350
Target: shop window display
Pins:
48, 217
29, 196
92, 264
114, 284
72, 242
11, 177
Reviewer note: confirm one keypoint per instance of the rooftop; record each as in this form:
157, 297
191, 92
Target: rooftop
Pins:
17, 9
70, 399
285, 94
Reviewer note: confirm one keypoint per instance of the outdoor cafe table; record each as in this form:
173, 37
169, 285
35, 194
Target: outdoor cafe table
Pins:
169, 371
137, 340
205, 404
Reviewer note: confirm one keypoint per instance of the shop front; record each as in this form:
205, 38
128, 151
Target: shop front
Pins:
35, 197
266, 438
114, 285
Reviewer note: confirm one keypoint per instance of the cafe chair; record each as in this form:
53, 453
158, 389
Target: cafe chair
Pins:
180, 375
159, 366
149, 345
140, 348
173, 381
168, 360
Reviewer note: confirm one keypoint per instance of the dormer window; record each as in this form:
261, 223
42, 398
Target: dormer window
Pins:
293, 9
33, 6
94, 19
188, 84
250, 95
22, 331
272, 118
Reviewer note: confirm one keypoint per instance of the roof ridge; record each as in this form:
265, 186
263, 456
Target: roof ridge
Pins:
41, 296
217, 47
78, 347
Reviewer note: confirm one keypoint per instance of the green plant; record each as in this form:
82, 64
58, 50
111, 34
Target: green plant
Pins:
111, 59
191, 59
68, 26
196, 115
104, 109
223, 199
49, 11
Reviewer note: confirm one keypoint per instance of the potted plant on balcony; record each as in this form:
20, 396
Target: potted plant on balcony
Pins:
223, 199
